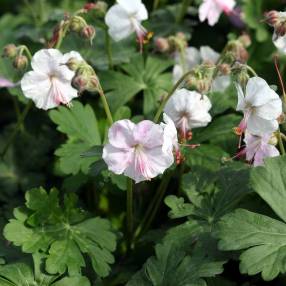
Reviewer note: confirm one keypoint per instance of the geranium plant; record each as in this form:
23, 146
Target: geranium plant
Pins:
143, 143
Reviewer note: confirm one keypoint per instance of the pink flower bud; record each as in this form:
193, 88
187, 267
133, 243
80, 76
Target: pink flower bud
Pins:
162, 45
88, 32
89, 6
80, 82
272, 17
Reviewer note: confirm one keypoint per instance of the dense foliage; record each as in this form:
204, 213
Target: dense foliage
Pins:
142, 144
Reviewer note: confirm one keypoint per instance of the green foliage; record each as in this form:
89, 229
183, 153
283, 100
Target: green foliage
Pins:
137, 76
64, 232
80, 125
172, 266
263, 238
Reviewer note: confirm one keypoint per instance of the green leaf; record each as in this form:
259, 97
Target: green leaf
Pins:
270, 183
253, 13
178, 207
263, 238
65, 233
172, 266
79, 123
73, 281
207, 156
147, 76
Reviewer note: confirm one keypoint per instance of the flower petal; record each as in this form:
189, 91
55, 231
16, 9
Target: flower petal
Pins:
45, 60
208, 54
241, 100
148, 134
257, 125
116, 159
120, 134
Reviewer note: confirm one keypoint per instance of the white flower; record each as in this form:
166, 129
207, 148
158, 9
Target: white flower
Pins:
170, 134
212, 9
124, 18
139, 151
49, 83
194, 57
280, 43
261, 106
188, 109
258, 148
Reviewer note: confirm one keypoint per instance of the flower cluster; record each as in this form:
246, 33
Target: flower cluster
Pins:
261, 107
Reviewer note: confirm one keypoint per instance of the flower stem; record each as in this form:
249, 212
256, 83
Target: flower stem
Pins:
62, 33
108, 49
153, 207
184, 8
161, 107
18, 127
280, 142
156, 4
250, 69
129, 211
105, 105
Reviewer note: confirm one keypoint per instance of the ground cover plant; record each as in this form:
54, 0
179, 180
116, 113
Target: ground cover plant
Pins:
142, 143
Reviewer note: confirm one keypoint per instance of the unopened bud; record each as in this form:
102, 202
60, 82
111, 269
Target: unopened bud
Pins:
101, 7
242, 55
89, 6
10, 51
80, 82
20, 62
282, 118
225, 69
73, 64
76, 24
203, 86
272, 17
88, 32
162, 45
280, 29
245, 40
93, 83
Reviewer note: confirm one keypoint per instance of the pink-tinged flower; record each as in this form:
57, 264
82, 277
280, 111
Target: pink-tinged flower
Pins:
139, 151
261, 106
124, 18
49, 83
170, 134
188, 110
212, 9
6, 83
258, 148
280, 43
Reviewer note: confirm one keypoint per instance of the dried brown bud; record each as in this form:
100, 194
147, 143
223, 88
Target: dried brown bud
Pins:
20, 62
10, 51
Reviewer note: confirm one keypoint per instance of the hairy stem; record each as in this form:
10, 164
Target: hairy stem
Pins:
280, 142
129, 211
105, 105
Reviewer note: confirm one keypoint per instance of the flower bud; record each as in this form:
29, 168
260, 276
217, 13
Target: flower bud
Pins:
245, 40
280, 29
76, 24
80, 82
10, 51
272, 17
162, 45
20, 62
101, 7
73, 64
225, 69
243, 78
282, 118
93, 84
203, 86
242, 54
88, 32
89, 6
